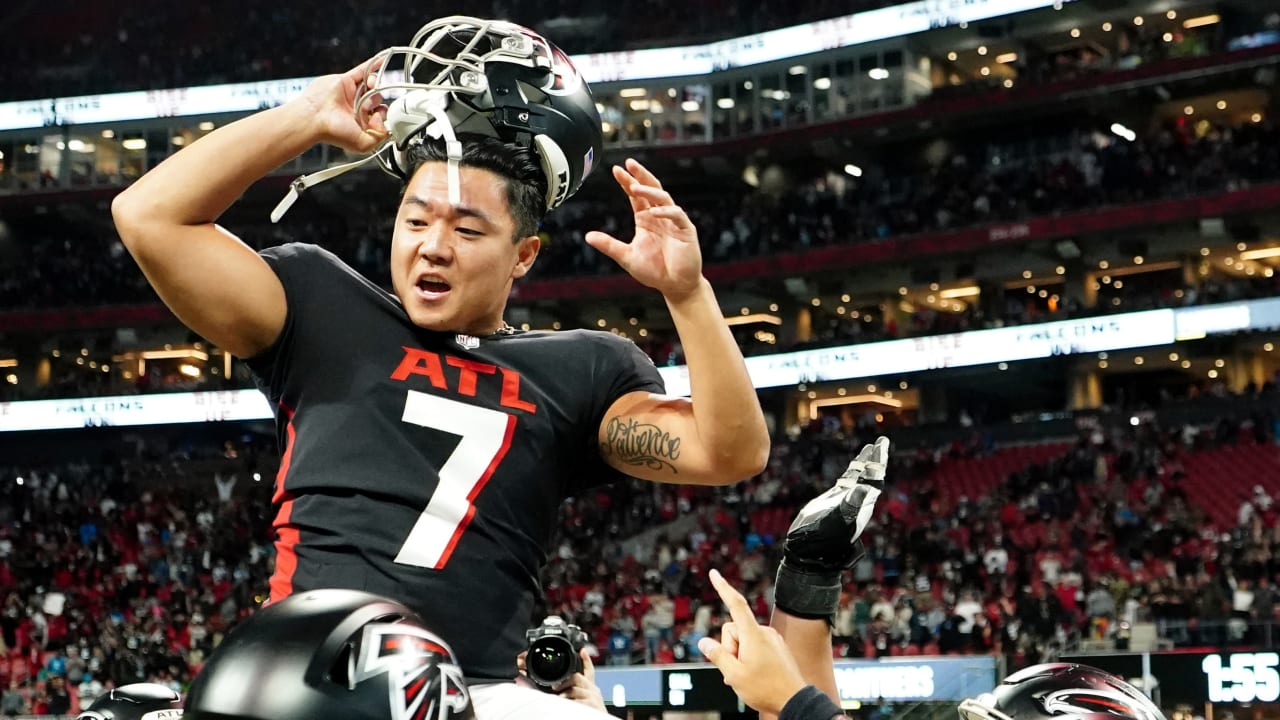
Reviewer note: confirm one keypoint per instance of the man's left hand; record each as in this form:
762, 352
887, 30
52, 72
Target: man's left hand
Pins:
664, 253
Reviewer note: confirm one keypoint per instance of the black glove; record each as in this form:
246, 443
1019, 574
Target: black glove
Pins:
823, 539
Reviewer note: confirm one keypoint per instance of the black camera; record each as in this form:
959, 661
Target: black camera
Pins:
553, 656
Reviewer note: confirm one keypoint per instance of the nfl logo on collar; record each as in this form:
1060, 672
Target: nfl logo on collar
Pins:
468, 342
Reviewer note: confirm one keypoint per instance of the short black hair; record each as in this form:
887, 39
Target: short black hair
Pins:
519, 166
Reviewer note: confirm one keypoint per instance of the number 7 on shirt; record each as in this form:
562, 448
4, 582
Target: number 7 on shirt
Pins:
486, 435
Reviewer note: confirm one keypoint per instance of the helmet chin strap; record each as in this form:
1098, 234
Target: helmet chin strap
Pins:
419, 111
299, 185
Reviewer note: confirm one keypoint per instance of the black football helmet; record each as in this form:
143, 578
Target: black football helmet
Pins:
1061, 690
464, 75
139, 701
331, 653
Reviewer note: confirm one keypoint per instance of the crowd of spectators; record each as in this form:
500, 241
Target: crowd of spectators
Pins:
110, 576
71, 265
133, 568
76, 264
71, 50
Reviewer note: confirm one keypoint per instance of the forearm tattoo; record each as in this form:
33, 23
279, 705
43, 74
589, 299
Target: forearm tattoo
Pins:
637, 443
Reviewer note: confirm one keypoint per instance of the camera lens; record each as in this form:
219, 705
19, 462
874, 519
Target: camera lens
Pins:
550, 660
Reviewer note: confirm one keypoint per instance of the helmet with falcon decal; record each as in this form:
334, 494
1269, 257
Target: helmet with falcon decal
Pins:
331, 653
1063, 690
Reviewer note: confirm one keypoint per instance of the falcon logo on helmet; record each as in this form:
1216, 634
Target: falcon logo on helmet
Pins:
409, 655
331, 654
1061, 690
565, 77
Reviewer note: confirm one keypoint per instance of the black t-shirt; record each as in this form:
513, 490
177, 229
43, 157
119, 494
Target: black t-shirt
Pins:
425, 466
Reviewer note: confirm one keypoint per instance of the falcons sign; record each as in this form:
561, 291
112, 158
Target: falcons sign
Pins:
421, 674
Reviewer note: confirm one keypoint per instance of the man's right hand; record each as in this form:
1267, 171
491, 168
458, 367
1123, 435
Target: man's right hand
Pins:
329, 101
754, 660
217, 285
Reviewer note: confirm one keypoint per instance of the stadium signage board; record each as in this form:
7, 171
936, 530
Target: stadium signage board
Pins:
976, 347
966, 349
651, 64
125, 410
701, 688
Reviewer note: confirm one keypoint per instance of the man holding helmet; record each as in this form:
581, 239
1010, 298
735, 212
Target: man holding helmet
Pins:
427, 445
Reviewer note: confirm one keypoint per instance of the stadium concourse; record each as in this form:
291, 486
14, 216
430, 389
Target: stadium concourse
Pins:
122, 569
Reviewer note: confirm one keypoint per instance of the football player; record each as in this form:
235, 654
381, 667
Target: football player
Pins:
426, 444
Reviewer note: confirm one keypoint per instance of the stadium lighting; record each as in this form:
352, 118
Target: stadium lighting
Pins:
1260, 254
1201, 21
169, 354
878, 74
752, 319
1124, 132
961, 292
853, 170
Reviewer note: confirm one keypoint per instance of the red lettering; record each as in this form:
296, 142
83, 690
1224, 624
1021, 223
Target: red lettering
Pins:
421, 362
511, 392
467, 376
